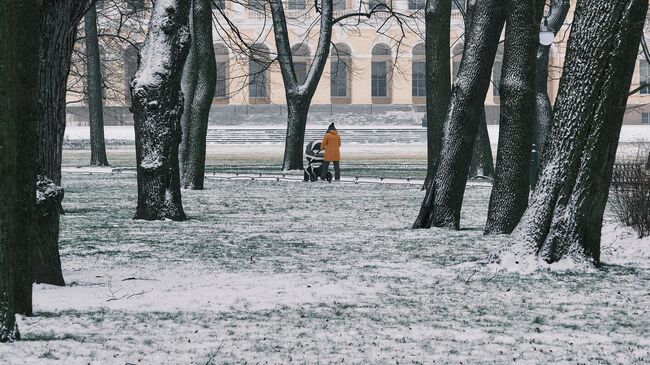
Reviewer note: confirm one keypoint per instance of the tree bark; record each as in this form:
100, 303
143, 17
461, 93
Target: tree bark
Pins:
437, 15
59, 23
509, 197
94, 90
565, 215
19, 21
157, 109
299, 96
198, 83
482, 162
443, 200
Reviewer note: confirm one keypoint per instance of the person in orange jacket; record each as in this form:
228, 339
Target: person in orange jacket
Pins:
331, 144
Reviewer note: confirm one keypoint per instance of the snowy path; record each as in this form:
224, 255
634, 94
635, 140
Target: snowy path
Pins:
270, 272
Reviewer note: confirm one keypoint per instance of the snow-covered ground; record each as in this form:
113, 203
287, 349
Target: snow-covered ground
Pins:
283, 272
629, 133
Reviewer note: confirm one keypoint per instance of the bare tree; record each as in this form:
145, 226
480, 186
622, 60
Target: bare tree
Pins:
442, 202
437, 15
157, 109
59, 23
198, 86
19, 23
509, 197
565, 216
94, 90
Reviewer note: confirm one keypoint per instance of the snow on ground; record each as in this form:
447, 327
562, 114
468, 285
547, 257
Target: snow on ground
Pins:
284, 272
629, 133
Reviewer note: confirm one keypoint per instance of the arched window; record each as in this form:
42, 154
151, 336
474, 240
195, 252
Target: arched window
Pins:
340, 65
496, 72
644, 77
258, 73
380, 68
130, 68
221, 86
456, 57
418, 72
416, 4
301, 56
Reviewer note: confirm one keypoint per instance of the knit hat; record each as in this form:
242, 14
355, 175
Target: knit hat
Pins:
331, 127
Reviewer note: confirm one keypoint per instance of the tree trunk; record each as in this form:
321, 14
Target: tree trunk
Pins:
482, 162
94, 92
442, 203
198, 83
299, 96
18, 141
157, 109
437, 15
543, 109
509, 197
565, 216
59, 23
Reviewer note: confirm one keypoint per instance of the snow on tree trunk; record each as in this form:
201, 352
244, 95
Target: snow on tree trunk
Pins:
443, 200
157, 109
509, 197
437, 15
199, 79
19, 22
482, 162
299, 96
563, 221
94, 90
59, 23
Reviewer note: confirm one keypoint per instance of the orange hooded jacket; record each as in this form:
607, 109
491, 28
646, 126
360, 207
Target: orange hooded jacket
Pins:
331, 144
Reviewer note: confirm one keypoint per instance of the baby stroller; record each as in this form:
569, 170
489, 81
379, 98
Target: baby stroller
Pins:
314, 157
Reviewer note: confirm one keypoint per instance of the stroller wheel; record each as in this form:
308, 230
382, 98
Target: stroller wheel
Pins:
305, 177
329, 177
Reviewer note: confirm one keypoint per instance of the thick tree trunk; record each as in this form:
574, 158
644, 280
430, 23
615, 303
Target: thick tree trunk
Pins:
157, 109
94, 92
437, 15
543, 108
198, 83
18, 143
299, 96
509, 197
482, 162
59, 23
565, 216
443, 200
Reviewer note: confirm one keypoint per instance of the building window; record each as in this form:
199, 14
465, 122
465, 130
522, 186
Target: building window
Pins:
341, 61
258, 72
644, 77
135, 5
297, 5
381, 57
301, 57
130, 68
257, 6
645, 118
496, 72
456, 57
221, 86
418, 72
339, 4
416, 4
376, 4
379, 79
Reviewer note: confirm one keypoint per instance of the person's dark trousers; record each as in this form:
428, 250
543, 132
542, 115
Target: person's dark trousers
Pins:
325, 167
